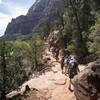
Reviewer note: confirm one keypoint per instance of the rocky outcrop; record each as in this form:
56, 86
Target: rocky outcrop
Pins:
20, 25
40, 11
87, 83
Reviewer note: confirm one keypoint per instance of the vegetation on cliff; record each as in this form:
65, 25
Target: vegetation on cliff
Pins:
78, 27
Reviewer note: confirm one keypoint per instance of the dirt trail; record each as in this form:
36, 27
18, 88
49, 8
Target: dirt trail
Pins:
53, 84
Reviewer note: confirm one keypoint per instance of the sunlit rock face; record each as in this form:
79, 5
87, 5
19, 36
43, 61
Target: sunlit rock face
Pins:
37, 14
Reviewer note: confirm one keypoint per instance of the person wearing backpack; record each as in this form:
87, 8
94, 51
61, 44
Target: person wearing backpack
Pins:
45, 39
62, 63
53, 51
67, 59
72, 69
57, 54
49, 47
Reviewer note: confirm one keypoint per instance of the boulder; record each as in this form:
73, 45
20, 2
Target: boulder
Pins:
87, 83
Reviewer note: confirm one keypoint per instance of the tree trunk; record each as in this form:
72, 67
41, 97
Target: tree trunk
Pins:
79, 40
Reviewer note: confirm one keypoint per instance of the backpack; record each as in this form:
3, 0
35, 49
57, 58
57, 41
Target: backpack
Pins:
67, 61
73, 65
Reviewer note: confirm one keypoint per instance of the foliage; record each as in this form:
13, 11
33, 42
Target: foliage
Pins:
36, 50
71, 48
77, 22
20, 60
44, 30
14, 65
94, 36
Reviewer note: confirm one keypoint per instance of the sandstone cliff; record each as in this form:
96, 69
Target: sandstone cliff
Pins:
40, 11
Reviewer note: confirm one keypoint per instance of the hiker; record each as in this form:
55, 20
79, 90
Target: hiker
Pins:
62, 63
66, 62
45, 39
72, 69
57, 54
53, 51
49, 47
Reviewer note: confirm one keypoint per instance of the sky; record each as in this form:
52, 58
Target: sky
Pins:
11, 9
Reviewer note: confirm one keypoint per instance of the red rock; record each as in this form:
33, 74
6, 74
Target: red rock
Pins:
87, 83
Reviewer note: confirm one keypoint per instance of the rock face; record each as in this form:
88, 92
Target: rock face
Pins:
87, 83
40, 11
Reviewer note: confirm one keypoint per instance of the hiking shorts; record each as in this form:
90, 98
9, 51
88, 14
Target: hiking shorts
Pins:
72, 74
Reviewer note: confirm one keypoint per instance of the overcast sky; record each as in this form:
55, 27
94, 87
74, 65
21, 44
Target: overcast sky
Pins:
10, 9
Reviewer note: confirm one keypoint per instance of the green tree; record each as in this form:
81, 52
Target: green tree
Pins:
12, 67
45, 29
60, 26
80, 19
36, 51
94, 37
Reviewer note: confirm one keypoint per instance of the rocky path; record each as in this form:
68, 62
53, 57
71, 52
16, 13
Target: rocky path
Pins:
52, 85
